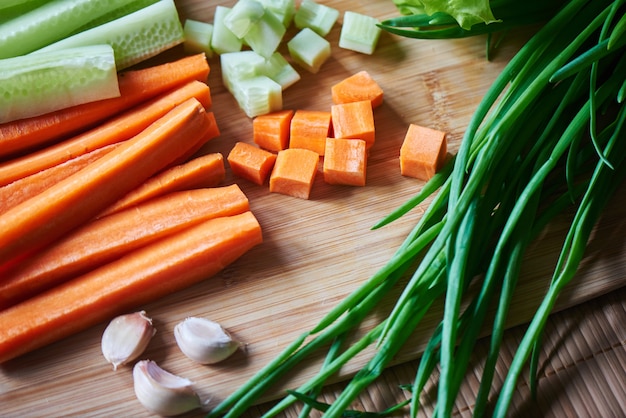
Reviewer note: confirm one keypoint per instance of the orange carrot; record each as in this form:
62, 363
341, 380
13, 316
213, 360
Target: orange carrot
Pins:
271, 131
309, 130
294, 172
345, 162
66, 205
204, 171
104, 240
357, 87
250, 162
20, 190
142, 276
118, 129
354, 120
211, 132
136, 86
422, 153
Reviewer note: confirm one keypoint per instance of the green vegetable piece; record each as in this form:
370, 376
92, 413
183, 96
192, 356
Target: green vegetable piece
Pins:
49, 23
466, 13
283, 9
258, 95
32, 85
318, 17
243, 15
134, 37
359, 33
265, 35
309, 50
198, 37
240, 65
281, 71
223, 40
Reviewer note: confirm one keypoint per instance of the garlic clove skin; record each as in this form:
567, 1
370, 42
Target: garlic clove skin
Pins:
161, 392
126, 337
204, 341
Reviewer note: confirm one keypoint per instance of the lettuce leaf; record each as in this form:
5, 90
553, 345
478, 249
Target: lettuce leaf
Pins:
466, 12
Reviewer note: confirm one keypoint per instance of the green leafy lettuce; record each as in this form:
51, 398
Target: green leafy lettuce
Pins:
466, 12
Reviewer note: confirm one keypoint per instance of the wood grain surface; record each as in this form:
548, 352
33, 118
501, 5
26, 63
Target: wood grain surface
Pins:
316, 251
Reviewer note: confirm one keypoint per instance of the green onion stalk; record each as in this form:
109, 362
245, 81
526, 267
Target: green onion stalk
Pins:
548, 138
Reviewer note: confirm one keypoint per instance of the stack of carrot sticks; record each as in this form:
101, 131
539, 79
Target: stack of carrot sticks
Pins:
104, 206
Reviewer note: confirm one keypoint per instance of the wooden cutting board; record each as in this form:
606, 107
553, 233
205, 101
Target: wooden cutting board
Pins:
316, 251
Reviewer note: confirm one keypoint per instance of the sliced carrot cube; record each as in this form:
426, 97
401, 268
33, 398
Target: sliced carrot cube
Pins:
423, 152
354, 120
309, 130
271, 131
357, 87
294, 172
250, 162
345, 161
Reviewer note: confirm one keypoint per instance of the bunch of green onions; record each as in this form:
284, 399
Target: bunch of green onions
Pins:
548, 137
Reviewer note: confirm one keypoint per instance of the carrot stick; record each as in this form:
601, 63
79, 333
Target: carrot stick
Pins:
250, 162
309, 130
104, 240
354, 120
23, 189
271, 131
294, 172
151, 272
64, 206
345, 162
118, 129
205, 171
136, 86
357, 87
423, 152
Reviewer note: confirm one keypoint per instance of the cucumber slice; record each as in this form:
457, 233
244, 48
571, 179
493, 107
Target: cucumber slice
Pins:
359, 33
130, 7
318, 17
258, 95
309, 50
49, 23
134, 37
198, 37
265, 35
283, 9
32, 85
223, 40
243, 15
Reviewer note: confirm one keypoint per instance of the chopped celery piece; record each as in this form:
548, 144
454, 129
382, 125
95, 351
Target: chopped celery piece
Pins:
258, 95
243, 15
198, 37
278, 69
318, 17
49, 23
309, 50
35, 84
134, 37
359, 33
223, 40
240, 65
265, 35
283, 9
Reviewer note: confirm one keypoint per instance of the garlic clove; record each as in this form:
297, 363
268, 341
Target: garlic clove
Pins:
162, 392
204, 341
126, 337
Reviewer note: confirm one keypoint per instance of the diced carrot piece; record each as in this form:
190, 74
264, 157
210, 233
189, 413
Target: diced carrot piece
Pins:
250, 162
309, 130
345, 161
142, 276
423, 152
294, 172
354, 120
357, 87
271, 131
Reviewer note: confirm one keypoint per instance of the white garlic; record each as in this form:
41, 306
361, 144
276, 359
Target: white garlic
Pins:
163, 393
126, 337
204, 341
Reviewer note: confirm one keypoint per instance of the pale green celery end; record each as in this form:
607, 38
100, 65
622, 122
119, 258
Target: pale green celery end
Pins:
359, 33
223, 40
281, 71
240, 65
134, 37
283, 9
258, 95
309, 50
318, 17
49, 23
198, 37
36, 84
265, 35
242, 16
